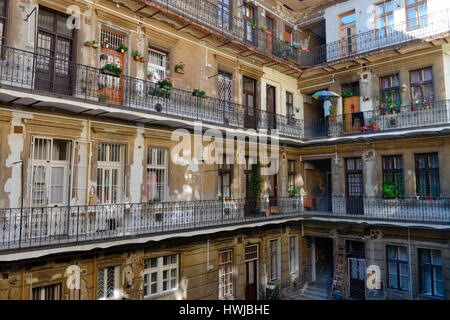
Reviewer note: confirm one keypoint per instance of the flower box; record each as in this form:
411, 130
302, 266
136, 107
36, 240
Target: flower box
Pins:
180, 71
270, 286
139, 59
91, 44
110, 73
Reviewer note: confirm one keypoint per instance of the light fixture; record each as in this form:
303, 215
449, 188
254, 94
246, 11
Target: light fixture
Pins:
158, 107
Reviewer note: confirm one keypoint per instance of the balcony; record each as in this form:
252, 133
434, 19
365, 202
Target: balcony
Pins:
395, 36
381, 120
35, 73
226, 24
35, 228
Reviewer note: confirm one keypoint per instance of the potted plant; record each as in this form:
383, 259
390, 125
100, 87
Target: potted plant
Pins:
255, 182
106, 43
272, 289
332, 113
253, 24
137, 56
297, 110
198, 93
293, 192
179, 67
162, 87
304, 44
404, 88
121, 48
149, 76
103, 56
92, 44
111, 69
389, 190
264, 28
103, 97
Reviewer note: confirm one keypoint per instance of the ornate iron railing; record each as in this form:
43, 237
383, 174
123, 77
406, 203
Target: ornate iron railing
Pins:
50, 226
377, 39
35, 72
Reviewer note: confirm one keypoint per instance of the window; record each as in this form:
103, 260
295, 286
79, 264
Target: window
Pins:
393, 174
110, 173
251, 252
274, 261
225, 274
224, 83
50, 171
397, 266
427, 175
224, 16
293, 254
160, 275
422, 86
108, 283
225, 176
157, 174
430, 271
384, 19
157, 64
416, 11
3, 19
348, 18
289, 104
390, 92
51, 292
291, 177
288, 34
248, 13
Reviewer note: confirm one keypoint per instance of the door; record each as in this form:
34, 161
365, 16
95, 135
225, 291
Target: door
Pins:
54, 52
224, 14
271, 107
272, 184
250, 203
353, 117
357, 272
248, 12
225, 89
270, 24
354, 186
249, 102
250, 280
347, 33
111, 86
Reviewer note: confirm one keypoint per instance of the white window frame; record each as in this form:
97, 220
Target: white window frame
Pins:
293, 263
48, 164
157, 68
110, 166
103, 272
278, 262
159, 270
228, 275
163, 168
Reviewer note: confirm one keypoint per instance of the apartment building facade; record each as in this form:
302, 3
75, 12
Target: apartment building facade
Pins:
113, 114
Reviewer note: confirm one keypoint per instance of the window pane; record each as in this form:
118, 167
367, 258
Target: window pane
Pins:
350, 18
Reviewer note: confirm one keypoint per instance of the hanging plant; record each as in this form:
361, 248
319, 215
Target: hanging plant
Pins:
404, 88
103, 56
106, 43
149, 76
122, 49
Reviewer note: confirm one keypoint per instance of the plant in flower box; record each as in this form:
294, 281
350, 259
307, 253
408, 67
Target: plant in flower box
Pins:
162, 87
293, 192
198, 93
137, 56
111, 69
272, 289
332, 113
103, 97
179, 67
122, 49
92, 44
304, 44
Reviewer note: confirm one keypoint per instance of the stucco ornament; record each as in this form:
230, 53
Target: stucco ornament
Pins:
73, 274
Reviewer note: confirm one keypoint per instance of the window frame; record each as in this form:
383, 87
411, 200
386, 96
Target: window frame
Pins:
277, 263
42, 292
223, 170
155, 68
421, 85
107, 164
291, 177
427, 171
399, 263
159, 270
293, 261
416, 5
383, 16
160, 168
116, 290
392, 172
4, 19
386, 92
225, 275
432, 266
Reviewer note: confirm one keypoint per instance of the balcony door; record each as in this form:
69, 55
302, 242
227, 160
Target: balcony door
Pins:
248, 13
271, 107
54, 52
270, 24
249, 102
225, 10
111, 86
347, 33
354, 186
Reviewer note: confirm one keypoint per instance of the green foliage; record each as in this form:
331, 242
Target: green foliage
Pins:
136, 54
198, 93
122, 48
103, 97
255, 181
390, 190
113, 68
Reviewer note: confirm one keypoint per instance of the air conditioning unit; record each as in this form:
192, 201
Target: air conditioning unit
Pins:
376, 234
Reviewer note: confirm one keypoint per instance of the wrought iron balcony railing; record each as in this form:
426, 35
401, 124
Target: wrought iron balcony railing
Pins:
35, 72
377, 39
380, 120
35, 228
235, 28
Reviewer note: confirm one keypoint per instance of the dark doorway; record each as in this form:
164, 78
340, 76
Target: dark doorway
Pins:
318, 184
271, 107
54, 53
250, 203
250, 280
324, 260
272, 184
354, 187
249, 101
356, 269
